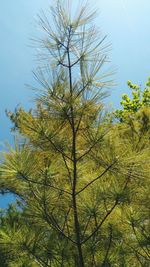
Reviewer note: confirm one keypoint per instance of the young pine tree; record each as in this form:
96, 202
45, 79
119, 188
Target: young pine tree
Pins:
73, 170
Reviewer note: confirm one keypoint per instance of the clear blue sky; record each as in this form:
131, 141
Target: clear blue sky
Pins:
126, 22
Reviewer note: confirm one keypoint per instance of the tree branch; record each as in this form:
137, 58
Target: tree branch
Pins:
101, 223
97, 178
45, 184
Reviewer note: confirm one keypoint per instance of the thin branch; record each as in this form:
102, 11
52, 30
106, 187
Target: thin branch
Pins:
61, 231
101, 223
52, 143
53, 223
80, 119
82, 90
109, 246
45, 184
97, 178
89, 150
57, 149
136, 251
66, 219
61, 63
69, 173
139, 241
88, 221
76, 62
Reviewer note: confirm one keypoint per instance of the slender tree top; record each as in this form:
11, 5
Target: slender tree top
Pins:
72, 41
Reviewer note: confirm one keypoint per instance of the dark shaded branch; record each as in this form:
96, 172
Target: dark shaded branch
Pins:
109, 246
136, 251
36, 258
134, 231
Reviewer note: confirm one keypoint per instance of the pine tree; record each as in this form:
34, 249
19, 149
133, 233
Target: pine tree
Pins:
73, 170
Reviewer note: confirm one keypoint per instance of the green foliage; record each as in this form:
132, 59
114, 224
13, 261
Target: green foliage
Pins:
140, 99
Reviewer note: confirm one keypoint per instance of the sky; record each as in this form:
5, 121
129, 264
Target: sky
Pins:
126, 23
